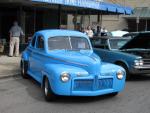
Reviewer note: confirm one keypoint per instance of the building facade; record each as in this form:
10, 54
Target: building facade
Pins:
30, 16
34, 15
139, 21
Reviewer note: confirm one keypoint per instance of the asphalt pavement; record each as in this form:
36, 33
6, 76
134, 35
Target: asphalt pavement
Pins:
19, 95
9, 66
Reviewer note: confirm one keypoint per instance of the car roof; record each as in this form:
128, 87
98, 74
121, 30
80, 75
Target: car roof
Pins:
60, 32
109, 37
144, 32
134, 33
131, 33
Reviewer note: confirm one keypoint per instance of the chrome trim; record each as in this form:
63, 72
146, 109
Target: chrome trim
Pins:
93, 58
142, 67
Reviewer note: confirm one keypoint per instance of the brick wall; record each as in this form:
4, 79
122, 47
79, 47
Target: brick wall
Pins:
114, 22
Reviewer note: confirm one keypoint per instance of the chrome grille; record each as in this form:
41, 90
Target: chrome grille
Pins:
105, 84
83, 85
91, 85
146, 61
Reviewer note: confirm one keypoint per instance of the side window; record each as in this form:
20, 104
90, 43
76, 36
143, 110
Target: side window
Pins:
33, 41
40, 42
104, 41
106, 47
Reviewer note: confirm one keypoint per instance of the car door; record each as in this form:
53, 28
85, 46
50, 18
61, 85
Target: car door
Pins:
101, 48
37, 58
31, 63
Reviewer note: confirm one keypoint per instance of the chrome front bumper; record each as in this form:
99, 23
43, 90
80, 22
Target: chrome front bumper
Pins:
145, 69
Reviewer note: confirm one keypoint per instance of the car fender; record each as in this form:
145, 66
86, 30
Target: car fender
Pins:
124, 62
112, 69
127, 59
116, 56
53, 72
25, 56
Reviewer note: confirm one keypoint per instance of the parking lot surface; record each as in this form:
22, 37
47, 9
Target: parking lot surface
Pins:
19, 95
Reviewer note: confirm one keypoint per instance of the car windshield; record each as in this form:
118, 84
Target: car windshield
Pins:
117, 43
68, 43
130, 35
142, 41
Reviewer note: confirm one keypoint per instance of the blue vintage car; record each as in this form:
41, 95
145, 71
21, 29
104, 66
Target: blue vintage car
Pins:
63, 62
133, 54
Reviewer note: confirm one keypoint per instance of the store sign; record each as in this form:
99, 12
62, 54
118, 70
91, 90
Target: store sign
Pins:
50, 1
79, 3
82, 3
93, 4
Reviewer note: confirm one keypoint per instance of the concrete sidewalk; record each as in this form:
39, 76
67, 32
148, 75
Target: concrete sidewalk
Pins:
9, 66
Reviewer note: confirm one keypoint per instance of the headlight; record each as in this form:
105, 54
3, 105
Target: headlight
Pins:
141, 62
120, 74
65, 77
138, 62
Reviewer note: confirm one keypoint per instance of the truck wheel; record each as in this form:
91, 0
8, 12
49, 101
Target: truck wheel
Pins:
24, 68
128, 76
49, 95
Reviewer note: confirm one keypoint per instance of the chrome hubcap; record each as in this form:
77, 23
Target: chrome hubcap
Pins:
46, 87
23, 68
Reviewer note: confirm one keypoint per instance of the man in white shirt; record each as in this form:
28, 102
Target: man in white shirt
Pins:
104, 30
15, 33
89, 32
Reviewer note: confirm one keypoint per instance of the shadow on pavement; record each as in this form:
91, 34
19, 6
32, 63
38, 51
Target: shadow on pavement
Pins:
77, 99
34, 90
140, 78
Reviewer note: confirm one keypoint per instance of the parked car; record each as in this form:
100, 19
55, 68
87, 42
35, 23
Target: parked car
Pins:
132, 54
118, 33
64, 63
130, 35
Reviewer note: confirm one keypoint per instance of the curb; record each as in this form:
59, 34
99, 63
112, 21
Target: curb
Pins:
9, 75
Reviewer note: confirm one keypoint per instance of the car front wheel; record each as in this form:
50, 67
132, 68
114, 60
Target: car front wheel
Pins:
49, 95
24, 68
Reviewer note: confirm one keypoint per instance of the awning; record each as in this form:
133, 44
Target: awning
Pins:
140, 12
92, 4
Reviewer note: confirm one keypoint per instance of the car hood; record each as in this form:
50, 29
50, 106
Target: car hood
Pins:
145, 53
86, 60
138, 42
139, 45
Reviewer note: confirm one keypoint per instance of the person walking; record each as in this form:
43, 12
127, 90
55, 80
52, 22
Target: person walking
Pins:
15, 33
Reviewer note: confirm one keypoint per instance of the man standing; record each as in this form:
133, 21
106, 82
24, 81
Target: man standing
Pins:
15, 33
89, 32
